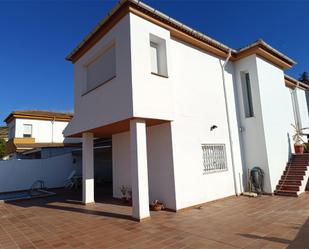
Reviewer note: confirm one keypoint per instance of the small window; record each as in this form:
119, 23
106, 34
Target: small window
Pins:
154, 57
296, 109
247, 95
27, 130
214, 158
158, 56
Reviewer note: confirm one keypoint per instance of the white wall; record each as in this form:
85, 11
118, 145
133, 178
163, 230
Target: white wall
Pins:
160, 164
199, 104
266, 137
252, 135
44, 131
21, 174
152, 94
278, 116
111, 101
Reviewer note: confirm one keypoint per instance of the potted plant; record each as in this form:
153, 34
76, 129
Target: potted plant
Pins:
299, 146
129, 196
156, 206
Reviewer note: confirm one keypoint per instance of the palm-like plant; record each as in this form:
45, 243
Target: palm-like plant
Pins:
298, 133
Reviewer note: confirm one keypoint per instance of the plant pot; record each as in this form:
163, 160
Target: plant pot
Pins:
156, 206
129, 201
299, 148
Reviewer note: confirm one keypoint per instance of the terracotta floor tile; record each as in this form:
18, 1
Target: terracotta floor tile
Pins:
63, 222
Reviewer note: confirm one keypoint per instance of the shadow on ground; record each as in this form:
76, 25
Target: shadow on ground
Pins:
71, 201
301, 240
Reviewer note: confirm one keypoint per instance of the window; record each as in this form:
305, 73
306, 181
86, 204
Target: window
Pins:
247, 95
27, 130
154, 57
214, 158
101, 70
296, 109
158, 56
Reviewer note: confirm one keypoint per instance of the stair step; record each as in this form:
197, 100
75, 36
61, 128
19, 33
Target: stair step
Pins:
287, 187
298, 162
290, 182
286, 193
294, 172
297, 167
292, 177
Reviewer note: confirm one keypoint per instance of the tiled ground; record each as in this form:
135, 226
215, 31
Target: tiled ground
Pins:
238, 222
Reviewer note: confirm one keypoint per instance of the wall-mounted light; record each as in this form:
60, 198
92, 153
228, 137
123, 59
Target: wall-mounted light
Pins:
213, 127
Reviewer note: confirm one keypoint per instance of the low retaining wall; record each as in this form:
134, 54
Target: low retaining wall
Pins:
18, 175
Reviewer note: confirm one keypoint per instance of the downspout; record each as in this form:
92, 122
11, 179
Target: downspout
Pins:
52, 138
228, 120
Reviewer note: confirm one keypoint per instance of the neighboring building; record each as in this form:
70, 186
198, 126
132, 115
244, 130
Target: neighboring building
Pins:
4, 132
32, 130
188, 116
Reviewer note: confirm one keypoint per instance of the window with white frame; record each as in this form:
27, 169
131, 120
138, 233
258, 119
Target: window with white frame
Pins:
27, 132
158, 60
101, 70
214, 158
296, 109
247, 95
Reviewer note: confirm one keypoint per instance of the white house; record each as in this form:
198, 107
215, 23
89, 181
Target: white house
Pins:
188, 116
34, 129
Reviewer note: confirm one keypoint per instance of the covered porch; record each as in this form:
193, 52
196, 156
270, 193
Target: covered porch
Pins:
136, 161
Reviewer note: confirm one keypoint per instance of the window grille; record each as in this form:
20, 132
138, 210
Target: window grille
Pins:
214, 158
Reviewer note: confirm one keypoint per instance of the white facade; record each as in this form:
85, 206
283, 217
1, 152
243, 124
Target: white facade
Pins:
43, 131
162, 109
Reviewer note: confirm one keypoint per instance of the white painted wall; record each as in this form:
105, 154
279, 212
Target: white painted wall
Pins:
266, 137
111, 101
199, 101
278, 116
252, 136
20, 174
160, 164
152, 94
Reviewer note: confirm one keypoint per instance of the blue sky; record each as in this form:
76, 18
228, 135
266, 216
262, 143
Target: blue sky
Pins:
37, 35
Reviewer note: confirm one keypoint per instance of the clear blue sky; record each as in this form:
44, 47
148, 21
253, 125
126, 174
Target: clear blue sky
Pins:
37, 35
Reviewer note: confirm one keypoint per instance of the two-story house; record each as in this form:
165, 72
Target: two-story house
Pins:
31, 130
188, 115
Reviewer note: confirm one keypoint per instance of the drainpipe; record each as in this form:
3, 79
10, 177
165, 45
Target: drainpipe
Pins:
228, 121
52, 138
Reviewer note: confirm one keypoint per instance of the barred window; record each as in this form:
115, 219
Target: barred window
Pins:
214, 158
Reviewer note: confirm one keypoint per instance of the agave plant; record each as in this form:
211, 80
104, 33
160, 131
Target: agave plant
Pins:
298, 133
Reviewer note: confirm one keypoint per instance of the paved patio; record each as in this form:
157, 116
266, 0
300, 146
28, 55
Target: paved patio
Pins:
237, 222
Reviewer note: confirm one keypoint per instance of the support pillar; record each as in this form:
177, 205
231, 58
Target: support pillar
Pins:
88, 168
139, 169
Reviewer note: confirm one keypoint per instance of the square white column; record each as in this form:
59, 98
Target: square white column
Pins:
88, 168
139, 170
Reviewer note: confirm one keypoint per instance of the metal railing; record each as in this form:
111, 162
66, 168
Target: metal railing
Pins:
214, 158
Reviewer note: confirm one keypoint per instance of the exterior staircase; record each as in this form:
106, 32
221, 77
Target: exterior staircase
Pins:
295, 176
